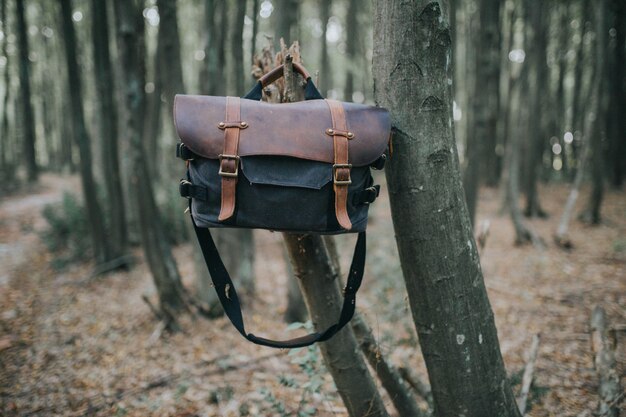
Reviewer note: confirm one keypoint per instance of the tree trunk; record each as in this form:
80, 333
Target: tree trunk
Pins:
481, 144
326, 80
352, 35
286, 20
616, 123
255, 29
536, 66
597, 143
518, 120
129, 25
236, 46
604, 362
446, 291
577, 93
388, 375
323, 298
81, 136
28, 116
296, 309
118, 240
5, 168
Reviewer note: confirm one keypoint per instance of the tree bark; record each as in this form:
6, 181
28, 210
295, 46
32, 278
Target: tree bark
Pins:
286, 20
326, 80
317, 280
481, 144
616, 123
236, 46
446, 291
129, 27
118, 241
610, 390
597, 143
255, 28
352, 32
517, 121
536, 63
577, 95
296, 308
388, 375
81, 136
6, 168
28, 116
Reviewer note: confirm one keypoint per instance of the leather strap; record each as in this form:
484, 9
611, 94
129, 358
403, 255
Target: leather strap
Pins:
230, 302
229, 159
278, 72
341, 169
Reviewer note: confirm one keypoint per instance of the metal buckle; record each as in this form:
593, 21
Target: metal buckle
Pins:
373, 190
229, 174
181, 187
344, 182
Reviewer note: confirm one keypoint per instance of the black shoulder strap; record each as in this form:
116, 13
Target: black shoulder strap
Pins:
228, 296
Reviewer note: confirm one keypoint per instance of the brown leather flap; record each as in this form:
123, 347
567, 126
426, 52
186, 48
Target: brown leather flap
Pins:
289, 129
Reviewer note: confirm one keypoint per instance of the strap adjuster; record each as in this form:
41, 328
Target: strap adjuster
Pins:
231, 158
184, 189
188, 190
336, 180
184, 153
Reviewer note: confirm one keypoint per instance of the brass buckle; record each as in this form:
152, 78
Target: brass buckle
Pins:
338, 182
229, 174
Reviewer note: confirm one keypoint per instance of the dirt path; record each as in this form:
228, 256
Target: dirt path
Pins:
73, 346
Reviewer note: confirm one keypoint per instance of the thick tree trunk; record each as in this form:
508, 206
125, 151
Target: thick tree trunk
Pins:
481, 144
236, 46
81, 136
326, 80
352, 36
446, 291
28, 116
129, 25
118, 240
536, 66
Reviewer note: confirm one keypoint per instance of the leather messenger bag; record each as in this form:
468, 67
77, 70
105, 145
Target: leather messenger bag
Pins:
300, 167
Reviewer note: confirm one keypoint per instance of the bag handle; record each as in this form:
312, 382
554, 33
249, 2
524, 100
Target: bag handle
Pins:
279, 72
230, 302
310, 90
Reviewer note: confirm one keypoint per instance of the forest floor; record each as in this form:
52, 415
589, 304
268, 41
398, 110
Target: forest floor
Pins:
73, 345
